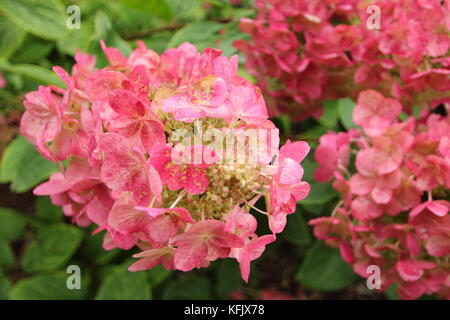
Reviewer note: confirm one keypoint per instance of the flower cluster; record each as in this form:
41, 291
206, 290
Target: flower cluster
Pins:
127, 139
395, 203
305, 51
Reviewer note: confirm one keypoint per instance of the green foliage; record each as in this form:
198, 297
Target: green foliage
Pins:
46, 211
12, 225
391, 293
11, 38
345, 109
92, 247
188, 287
201, 33
120, 284
23, 167
6, 254
228, 278
49, 287
330, 116
320, 193
5, 285
53, 246
45, 19
158, 274
39, 73
297, 231
324, 269
37, 247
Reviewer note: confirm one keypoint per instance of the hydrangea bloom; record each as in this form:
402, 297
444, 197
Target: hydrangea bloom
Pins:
395, 207
137, 169
305, 51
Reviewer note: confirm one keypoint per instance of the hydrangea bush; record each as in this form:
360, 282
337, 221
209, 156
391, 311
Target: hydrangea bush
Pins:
115, 134
394, 178
303, 52
169, 155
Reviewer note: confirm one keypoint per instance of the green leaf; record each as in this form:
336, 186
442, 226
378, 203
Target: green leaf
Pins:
50, 287
23, 166
159, 8
329, 117
158, 274
12, 225
93, 248
158, 41
324, 269
5, 285
242, 72
122, 284
77, 39
104, 30
285, 123
53, 247
187, 10
391, 293
6, 255
230, 34
32, 50
39, 73
46, 211
11, 38
102, 25
416, 111
320, 192
201, 34
45, 19
297, 231
188, 287
402, 116
345, 107
228, 278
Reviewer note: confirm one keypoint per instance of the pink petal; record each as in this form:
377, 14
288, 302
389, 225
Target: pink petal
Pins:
196, 181
56, 184
438, 245
290, 172
439, 207
301, 191
175, 177
296, 150
361, 185
154, 182
152, 133
277, 222
408, 270
162, 228
125, 104
114, 56
153, 257
227, 240
190, 256
418, 209
381, 196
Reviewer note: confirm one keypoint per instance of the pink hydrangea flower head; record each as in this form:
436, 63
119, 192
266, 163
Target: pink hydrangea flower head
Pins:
169, 153
303, 52
383, 218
